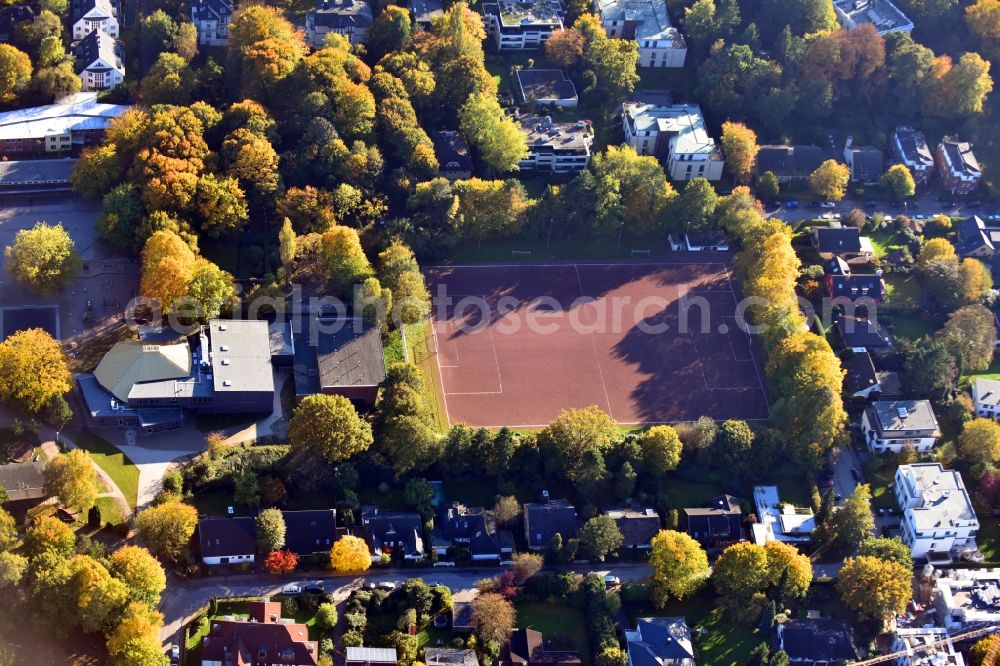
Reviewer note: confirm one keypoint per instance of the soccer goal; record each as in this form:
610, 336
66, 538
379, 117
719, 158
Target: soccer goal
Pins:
520, 254
641, 253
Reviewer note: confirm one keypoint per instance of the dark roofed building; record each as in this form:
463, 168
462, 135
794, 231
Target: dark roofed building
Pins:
310, 532
227, 540
910, 148
393, 531
23, 481
638, 526
351, 18
817, 641
424, 12
862, 334
856, 286
338, 357
264, 638
13, 16
789, 163
544, 520
549, 87
718, 522
472, 526
526, 647
98, 62
976, 238
833, 242
860, 380
452, 153
660, 641
866, 163
957, 165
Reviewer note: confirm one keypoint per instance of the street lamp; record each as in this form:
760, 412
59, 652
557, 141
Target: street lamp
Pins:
621, 227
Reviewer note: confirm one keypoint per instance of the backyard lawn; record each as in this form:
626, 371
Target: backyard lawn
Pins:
992, 372
880, 475
556, 622
115, 463
111, 513
904, 296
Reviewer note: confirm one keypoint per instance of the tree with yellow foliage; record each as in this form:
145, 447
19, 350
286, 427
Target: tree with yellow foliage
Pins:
739, 145
33, 369
979, 442
829, 180
350, 554
71, 477
876, 589
167, 528
936, 249
680, 566
43, 258
138, 621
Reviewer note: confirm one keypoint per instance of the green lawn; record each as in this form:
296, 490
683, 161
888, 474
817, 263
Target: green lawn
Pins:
690, 493
988, 538
430, 635
115, 463
556, 621
992, 372
421, 349
111, 512
880, 478
905, 299
212, 502
392, 348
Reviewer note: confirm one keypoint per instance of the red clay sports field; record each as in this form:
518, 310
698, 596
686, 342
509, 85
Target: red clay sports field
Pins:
605, 334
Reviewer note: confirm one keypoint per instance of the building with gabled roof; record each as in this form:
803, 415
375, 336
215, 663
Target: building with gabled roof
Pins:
788, 163
660, 641
866, 163
310, 531
98, 62
542, 521
23, 481
389, 532
637, 526
452, 153
986, 397
977, 238
957, 165
860, 377
87, 16
351, 18
211, 18
264, 638
526, 647
648, 24
719, 521
230, 540
909, 148
424, 12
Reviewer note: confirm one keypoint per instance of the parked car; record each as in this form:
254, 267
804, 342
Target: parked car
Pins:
291, 588
444, 564
856, 474
388, 586
791, 204
506, 563
828, 204
612, 581
315, 588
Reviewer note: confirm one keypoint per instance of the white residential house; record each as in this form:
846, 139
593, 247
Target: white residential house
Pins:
891, 425
647, 23
516, 25
555, 147
98, 62
780, 521
925, 646
91, 15
663, 641
211, 18
939, 523
351, 18
225, 541
676, 134
986, 397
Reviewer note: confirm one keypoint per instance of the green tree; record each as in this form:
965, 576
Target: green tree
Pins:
158, 30
390, 31
877, 589
212, 290
8, 530
680, 566
496, 136
612, 60
329, 427
829, 180
853, 523
600, 535
346, 263
888, 549
733, 446
695, 206
632, 191
287, 245
97, 171
97, 594
326, 616
270, 530
220, 204
930, 370
169, 81
661, 449
12, 568
972, 333
43, 258
167, 528
898, 180
71, 477
15, 72
741, 571
573, 434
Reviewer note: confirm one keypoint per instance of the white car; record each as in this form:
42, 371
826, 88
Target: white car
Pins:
828, 204
291, 588
388, 586
612, 581
444, 564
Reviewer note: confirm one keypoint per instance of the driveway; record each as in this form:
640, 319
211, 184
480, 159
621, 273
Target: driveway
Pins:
844, 482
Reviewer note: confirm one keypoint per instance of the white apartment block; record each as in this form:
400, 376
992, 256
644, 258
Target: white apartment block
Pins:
925, 646
891, 425
647, 23
676, 134
90, 15
555, 147
939, 523
211, 18
986, 398
516, 25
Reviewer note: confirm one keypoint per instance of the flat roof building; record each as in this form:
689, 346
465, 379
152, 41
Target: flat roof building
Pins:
648, 24
516, 25
338, 356
939, 523
885, 16
76, 121
549, 87
556, 147
675, 133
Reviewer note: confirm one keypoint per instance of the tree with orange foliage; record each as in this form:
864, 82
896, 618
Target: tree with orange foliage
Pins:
281, 562
739, 145
565, 47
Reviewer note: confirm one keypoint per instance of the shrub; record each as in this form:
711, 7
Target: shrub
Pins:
352, 638
289, 607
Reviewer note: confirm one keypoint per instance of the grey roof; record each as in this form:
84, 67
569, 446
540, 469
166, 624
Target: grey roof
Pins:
472, 524
452, 151
544, 521
719, 520
941, 493
308, 532
657, 640
683, 122
885, 16
897, 417
339, 14
974, 234
541, 133
425, 11
912, 147
332, 353
370, 655
815, 640
842, 240
76, 113
860, 373
393, 527
541, 85
23, 481
240, 356
638, 526
526, 13
461, 615
960, 154
211, 10
652, 22
221, 537
282, 340
867, 163
36, 172
987, 391
797, 161
857, 286
104, 8
97, 45
449, 657
860, 331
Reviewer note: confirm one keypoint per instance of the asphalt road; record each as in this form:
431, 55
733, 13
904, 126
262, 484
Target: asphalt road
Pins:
183, 598
926, 204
